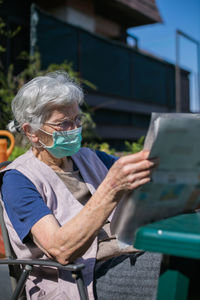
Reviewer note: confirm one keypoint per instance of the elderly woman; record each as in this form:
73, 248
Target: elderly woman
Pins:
58, 198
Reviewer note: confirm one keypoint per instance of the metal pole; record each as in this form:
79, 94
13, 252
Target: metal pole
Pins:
198, 74
77, 275
177, 76
21, 283
178, 73
34, 18
135, 39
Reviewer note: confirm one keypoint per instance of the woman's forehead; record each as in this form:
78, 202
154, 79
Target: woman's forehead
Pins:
61, 112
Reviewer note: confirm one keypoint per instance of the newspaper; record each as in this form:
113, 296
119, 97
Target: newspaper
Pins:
175, 184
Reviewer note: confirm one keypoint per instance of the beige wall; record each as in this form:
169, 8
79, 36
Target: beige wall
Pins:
82, 13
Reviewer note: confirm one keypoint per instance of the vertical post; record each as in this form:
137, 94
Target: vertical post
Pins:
178, 73
77, 275
33, 28
21, 282
135, 38
198, 74
177, 76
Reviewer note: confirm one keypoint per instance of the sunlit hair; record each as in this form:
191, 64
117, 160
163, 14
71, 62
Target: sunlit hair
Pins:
36, 98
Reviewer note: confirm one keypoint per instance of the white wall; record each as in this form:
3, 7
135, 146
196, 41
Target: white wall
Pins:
75, 17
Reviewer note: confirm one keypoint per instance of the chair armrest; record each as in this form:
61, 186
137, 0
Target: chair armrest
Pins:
41, 262
29, 263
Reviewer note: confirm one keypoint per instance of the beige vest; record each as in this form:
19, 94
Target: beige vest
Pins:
48, 283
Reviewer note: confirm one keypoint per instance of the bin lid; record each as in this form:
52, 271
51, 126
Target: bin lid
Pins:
178, 236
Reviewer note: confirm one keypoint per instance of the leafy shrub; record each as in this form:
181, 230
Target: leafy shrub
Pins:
17, 151
130, 148
135, 146
102, 147
10, 83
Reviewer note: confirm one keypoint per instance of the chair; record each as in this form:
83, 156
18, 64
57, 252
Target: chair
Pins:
19, 269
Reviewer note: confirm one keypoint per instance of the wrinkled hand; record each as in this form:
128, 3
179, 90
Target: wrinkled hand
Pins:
131, 171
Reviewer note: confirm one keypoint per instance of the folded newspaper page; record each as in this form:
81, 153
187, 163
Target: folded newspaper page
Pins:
175, 184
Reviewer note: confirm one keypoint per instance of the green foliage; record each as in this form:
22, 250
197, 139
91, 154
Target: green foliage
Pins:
101, 146
7, 87
130, 147
136, 146
5, 32
89, 127
106, 148
17, 151
10, 84
5, 92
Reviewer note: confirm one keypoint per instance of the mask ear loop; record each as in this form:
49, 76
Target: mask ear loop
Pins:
45, 132
42, 144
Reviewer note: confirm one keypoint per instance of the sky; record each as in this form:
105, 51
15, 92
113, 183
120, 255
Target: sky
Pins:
159, 39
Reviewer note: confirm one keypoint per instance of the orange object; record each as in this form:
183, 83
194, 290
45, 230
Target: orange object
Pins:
4, 152
2, 248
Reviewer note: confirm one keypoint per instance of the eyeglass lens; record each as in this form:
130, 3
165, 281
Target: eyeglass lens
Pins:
70, 123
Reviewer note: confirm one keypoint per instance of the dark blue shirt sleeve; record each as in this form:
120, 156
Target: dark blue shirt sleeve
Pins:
107, 159
23, 203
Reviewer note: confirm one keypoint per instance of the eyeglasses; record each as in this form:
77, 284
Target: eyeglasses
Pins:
68, 123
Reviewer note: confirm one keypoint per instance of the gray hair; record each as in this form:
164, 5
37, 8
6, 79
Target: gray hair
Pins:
38, 96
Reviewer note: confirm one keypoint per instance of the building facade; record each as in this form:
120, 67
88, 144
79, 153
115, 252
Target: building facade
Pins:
92, 35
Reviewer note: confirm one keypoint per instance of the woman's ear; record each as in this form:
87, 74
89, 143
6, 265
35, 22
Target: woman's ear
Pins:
28, 132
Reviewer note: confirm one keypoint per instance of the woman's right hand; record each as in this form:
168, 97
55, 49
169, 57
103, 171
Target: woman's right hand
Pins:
130, 171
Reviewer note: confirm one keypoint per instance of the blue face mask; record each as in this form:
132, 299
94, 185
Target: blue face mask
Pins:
65, 143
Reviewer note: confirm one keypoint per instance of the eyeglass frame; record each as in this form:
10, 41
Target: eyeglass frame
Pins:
73, 122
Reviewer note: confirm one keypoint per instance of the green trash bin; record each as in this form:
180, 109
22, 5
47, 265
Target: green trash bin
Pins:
179, 238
